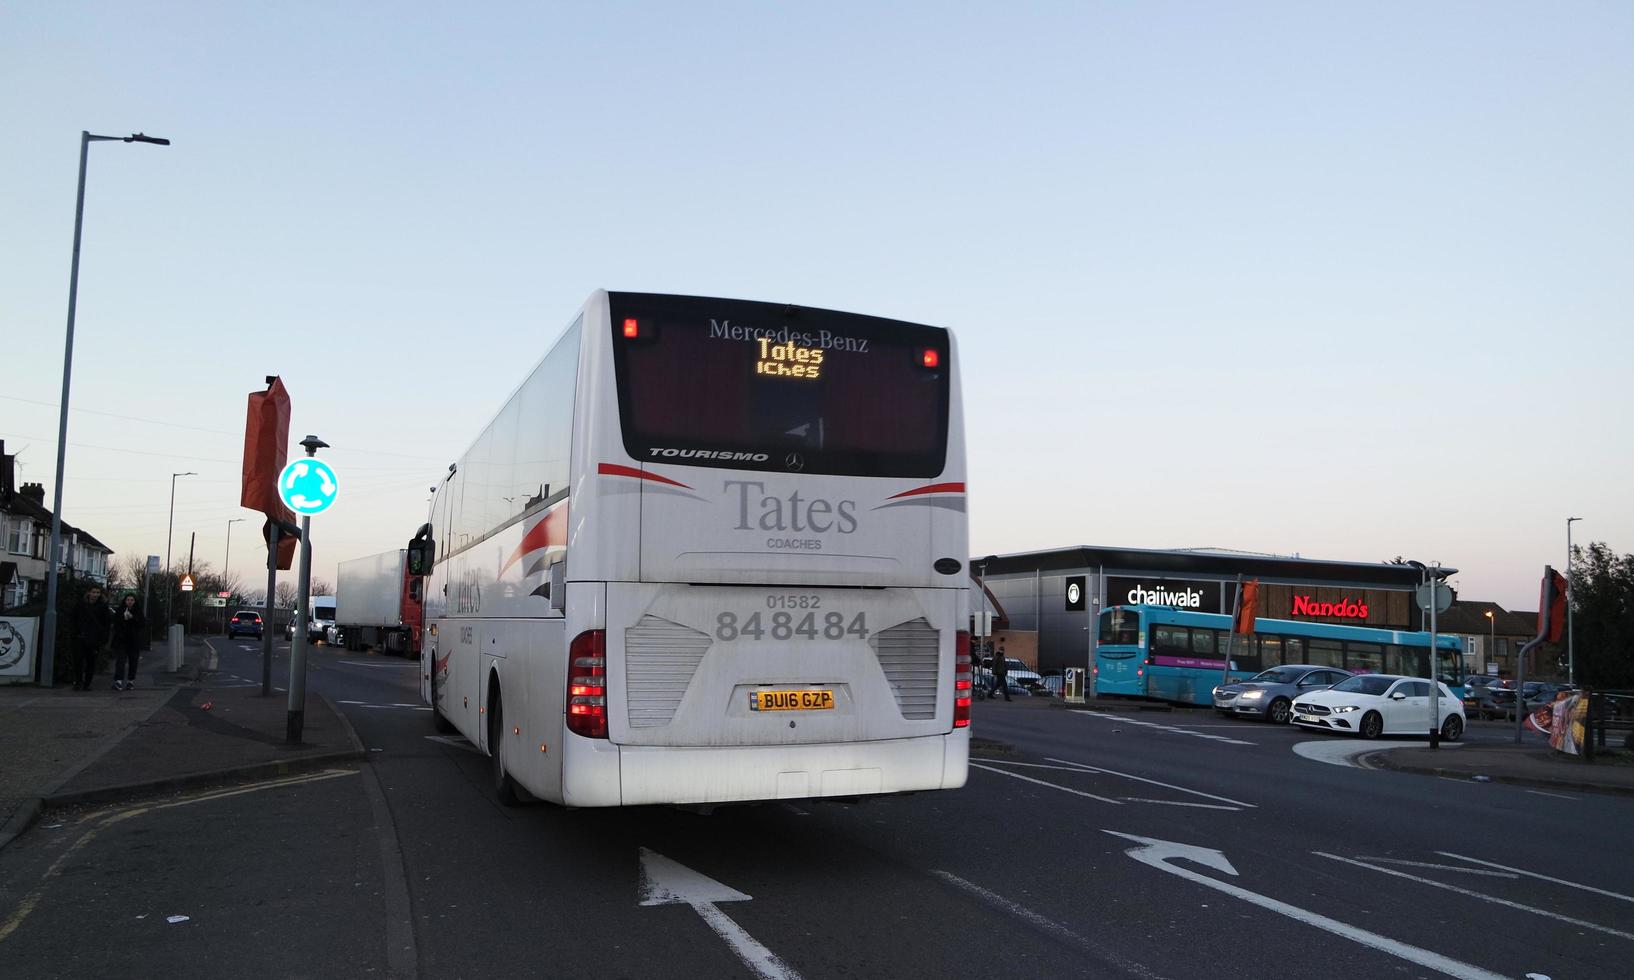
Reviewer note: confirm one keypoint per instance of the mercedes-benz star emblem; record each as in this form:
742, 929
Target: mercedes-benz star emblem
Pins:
795, 461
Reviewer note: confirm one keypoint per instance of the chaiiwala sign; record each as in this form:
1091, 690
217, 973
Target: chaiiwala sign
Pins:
1304, 605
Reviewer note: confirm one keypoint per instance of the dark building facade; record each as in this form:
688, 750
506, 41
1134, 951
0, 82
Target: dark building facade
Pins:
1056, 593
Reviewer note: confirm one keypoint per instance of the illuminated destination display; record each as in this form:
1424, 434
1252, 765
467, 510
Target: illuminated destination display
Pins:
788, 360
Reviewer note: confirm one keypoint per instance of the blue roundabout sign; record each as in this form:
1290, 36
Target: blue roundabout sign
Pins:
308, 486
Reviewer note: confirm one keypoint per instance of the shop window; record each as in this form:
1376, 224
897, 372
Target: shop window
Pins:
1364, 658
1325, 653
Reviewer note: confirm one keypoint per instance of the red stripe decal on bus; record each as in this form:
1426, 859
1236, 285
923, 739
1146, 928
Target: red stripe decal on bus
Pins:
548, 529
614, 469
933, 488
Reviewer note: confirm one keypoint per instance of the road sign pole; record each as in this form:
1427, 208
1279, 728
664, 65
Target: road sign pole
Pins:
306, 486
267, 605
1435, 679
296, 718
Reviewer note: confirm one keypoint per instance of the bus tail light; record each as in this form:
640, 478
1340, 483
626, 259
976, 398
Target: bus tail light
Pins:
930, 357
587, 684
632, 328
961, 679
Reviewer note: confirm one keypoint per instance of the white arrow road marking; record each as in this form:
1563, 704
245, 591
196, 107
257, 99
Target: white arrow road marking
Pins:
1029, 779
1485, 898
1159, 854
665, 882
1047, 925
1534, 874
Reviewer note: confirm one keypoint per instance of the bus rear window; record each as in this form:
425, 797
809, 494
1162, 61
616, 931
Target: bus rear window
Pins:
1119, 627
744, 385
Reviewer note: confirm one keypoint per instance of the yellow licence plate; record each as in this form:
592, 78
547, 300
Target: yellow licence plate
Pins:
801, 700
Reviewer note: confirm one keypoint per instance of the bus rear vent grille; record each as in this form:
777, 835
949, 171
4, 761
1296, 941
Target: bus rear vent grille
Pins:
660, 658
909, 653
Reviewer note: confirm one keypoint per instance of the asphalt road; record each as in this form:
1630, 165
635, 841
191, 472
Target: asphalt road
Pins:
1152, 845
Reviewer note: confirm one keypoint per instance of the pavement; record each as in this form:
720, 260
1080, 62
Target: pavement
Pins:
176, 730
1526, 764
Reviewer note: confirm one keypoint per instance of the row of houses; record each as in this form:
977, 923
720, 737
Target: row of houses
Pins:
25, 537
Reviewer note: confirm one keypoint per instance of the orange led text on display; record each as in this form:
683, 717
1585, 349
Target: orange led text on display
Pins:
788, 360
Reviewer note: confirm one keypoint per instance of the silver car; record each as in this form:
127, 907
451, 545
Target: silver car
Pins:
1269, 694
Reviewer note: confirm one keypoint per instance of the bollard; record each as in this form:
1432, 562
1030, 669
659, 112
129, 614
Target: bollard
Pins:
175, 648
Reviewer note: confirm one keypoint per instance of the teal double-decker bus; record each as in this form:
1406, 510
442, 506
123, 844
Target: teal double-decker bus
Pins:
1173, 655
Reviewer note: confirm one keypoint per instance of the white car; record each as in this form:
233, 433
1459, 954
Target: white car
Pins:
1371, 705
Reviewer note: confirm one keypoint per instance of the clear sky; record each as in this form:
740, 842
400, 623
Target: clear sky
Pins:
1350, 280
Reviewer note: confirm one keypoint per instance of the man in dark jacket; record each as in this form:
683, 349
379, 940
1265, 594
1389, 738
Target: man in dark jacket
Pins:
92, 621
129, 627
1001, 676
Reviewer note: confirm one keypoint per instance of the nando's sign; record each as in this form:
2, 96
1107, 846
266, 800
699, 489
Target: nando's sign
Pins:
1304, 605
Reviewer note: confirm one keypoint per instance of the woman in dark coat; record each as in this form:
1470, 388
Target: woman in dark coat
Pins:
129, 630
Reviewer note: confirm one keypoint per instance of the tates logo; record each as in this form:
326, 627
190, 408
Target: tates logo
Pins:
792, 513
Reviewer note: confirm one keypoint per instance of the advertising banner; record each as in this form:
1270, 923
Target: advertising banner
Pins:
17, 648
1565, 722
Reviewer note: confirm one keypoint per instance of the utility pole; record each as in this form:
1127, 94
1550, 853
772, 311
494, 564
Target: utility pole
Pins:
1571, 660
191, 540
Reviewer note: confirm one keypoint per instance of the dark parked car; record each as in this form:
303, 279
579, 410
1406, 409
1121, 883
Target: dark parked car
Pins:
244, 623
1488, 700
1269, 693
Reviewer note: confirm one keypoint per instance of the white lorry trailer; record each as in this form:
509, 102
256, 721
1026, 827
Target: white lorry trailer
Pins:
378, 604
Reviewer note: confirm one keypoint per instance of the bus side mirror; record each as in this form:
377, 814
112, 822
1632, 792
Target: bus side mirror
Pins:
422, 554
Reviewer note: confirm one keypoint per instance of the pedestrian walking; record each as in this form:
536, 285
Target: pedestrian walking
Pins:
1001, 677
129, 630
92, 622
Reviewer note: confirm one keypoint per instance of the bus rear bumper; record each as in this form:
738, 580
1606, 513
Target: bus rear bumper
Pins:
734, 774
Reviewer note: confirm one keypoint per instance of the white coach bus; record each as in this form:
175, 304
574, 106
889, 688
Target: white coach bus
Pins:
710, 551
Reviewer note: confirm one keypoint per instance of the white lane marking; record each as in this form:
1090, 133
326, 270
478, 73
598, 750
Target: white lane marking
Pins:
1477, 895
1534, 874
795, 810
1046, 925
1157, 854
1558, 796
1029, 779
1337, 751
1199, 806
457, 741
1126, 720
377, 663
366, 704
1143, 779
667, 882
1441, 867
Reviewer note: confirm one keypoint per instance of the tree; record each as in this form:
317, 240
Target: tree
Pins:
322, 587
1603, 616
284, 596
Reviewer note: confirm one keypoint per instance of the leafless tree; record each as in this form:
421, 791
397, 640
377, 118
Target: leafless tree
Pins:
284, 596
322, 587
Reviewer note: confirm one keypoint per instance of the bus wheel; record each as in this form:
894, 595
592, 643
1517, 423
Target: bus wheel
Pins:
504, 785
1372, 725
1278, 711
1453, 728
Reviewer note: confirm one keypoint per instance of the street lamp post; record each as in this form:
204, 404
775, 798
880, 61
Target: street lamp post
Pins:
170, 531
1492, 639
228, 557
1571, 660
48, 649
